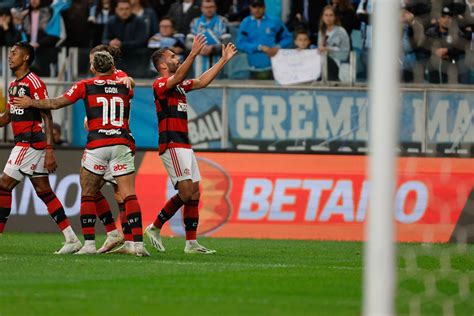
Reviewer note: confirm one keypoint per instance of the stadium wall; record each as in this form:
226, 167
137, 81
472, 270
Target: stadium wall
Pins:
306, 119
281, 196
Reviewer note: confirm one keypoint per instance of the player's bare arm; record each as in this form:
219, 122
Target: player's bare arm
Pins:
50, 160
5, 118
183, 69
228, 52
45, 104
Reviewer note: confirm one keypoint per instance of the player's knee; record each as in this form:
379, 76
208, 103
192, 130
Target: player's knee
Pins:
196, 195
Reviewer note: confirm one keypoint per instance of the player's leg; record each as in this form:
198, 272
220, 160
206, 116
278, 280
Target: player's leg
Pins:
175, 166
7, 184
122, 166
56, 211
94, 163
104, 213
191, 213
10, 178
128, 246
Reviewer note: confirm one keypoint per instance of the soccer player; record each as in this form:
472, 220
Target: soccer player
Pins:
103, 210
174, 146
33, 154
107, 102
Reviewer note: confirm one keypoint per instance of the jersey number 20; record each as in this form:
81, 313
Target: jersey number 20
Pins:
111, 116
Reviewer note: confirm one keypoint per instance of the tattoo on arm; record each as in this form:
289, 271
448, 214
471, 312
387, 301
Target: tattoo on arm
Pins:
48, 104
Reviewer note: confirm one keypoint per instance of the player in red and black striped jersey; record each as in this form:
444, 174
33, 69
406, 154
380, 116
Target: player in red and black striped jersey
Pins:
107, 103
104, 213
32, 155
174, 145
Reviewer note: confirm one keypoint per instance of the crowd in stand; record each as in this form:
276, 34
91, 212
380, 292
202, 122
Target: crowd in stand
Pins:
437, 35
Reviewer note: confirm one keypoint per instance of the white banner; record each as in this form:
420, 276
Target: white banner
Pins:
291, 66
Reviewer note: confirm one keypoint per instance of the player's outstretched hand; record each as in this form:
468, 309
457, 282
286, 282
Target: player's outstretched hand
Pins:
50, 161
198, 44
22, 102
228, 51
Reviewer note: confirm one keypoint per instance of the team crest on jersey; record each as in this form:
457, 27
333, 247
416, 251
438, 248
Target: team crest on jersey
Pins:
21, 92
99, 82
186, 83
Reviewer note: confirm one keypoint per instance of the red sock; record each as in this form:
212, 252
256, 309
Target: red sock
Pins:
170, 208
5, 207
88, 217
104, 213
191, 218
127, 231
55, 208
134, 216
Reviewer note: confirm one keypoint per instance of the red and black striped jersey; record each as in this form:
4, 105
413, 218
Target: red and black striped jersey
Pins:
107, 103
26, 123
172, 111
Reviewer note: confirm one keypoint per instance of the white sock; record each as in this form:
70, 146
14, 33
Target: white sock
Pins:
128, 242
113, 233
89, 243
191, 242
139, 243
69, 234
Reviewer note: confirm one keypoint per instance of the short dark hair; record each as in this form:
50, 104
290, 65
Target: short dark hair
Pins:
299, 31
114, 51
28, 49
102, 62
156, 56
122, 1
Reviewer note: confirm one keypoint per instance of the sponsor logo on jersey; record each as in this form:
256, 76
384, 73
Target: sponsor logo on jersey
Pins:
109, 132
33, 167
16, 110
182, 107
187, 172
99, 82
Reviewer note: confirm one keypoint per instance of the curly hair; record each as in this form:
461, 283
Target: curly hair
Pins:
103, 61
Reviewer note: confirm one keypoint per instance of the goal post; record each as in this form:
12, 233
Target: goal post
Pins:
384, 73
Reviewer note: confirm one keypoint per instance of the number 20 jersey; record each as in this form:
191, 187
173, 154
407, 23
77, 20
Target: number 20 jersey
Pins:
107, 103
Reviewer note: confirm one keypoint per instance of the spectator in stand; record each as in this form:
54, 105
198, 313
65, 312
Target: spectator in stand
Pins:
447, 60
99, 15
34, 28
364, 11
214, 28
126, 31
167, 37
75, 19
161, 7
346, 14
333, 41
233, 10
57, 140
306, 14
183, 12
301, 40
261, 36
8, 33
142, 10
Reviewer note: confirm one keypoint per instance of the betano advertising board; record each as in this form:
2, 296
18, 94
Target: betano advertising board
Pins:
283, 196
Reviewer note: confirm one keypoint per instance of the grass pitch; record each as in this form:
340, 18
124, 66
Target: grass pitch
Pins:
245, 277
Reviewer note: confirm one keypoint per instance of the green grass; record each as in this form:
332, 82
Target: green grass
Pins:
246, 277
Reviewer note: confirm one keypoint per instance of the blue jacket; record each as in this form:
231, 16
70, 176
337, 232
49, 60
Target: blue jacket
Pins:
268, 31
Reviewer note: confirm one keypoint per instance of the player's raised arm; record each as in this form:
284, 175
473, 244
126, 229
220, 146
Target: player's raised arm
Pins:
183, 69
228, 52
45, 104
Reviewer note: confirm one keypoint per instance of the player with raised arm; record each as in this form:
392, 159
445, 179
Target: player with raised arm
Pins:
107, 102
174, 146
33, 154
